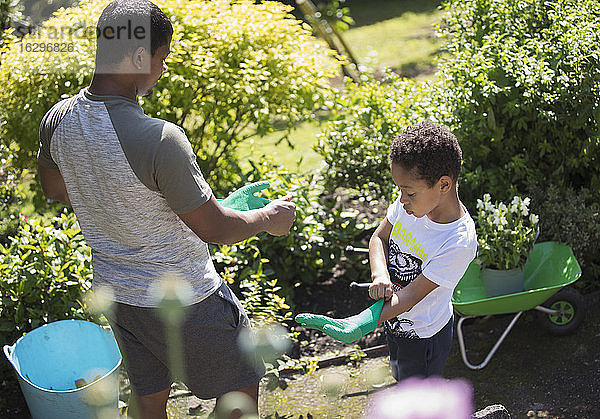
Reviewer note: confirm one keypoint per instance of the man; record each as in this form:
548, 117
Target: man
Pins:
146, 211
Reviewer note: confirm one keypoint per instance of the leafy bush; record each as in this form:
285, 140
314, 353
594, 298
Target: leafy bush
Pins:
315, 243
572, 217
11, 196
5, 9
355, 144
236, 69
46, 270
260, 293
33, 82
524, 84
43, 274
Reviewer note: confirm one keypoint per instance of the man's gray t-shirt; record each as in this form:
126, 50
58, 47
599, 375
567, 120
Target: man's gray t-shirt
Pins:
128, 176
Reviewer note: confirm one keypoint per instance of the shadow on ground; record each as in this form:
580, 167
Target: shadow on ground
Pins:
533, 374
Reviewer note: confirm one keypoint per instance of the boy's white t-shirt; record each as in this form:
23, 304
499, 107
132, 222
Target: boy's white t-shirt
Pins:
441, 252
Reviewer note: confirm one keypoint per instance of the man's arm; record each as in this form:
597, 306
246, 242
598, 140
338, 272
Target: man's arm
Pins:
407, 297
53, 184
214, 223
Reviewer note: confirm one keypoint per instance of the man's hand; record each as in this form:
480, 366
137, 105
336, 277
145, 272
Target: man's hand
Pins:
244, 199
280, 215
381, 287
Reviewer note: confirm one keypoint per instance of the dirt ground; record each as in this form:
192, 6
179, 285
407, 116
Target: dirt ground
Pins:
533, 374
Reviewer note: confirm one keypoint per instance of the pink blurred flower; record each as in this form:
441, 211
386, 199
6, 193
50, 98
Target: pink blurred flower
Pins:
1, 171
429, 398
23, 218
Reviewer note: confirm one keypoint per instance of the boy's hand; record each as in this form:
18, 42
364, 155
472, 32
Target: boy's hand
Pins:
381, 287
280, 214
244, 199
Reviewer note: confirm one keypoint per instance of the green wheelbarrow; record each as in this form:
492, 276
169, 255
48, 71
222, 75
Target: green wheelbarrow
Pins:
550, 267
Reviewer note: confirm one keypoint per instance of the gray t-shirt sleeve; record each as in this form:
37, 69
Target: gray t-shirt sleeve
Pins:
176, 172
48, 125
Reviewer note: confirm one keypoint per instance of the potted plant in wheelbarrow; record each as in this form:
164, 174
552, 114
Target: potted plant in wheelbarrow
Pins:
543, 271
505, 236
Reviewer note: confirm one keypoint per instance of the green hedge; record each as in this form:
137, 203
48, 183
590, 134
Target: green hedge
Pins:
524, 79
573, 217
11, 196
44, 272
315, 244
237, 68
355, 143
519, 84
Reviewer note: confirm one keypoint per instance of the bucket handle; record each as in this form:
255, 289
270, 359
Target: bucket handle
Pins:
8, 352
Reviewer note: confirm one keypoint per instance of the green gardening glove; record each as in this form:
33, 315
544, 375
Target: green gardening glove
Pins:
346, 330
244, 199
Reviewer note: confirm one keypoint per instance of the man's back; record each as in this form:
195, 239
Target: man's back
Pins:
127, 176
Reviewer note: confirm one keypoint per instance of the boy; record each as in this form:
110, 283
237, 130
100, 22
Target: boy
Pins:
418, 254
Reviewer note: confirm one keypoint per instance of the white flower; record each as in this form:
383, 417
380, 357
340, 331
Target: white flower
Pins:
525, 205
533, 219
516, 200
479, 204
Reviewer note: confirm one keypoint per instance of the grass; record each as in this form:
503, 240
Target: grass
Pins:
396, 34
406, 43
300, 159
369, 12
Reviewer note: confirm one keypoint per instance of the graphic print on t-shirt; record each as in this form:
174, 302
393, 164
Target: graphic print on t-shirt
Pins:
403, 269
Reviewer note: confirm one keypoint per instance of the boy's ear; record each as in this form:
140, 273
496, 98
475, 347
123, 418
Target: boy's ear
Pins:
445, 183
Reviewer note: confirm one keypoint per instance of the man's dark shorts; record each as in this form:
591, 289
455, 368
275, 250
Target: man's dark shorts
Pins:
423, 357
212, 362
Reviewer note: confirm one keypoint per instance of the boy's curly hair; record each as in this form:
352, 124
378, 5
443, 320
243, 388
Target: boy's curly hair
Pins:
430, 149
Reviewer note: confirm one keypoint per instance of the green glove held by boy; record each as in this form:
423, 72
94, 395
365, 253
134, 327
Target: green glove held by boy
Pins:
346, 330
244, 199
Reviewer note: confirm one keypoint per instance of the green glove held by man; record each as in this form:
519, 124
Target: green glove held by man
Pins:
244, 199
346, 330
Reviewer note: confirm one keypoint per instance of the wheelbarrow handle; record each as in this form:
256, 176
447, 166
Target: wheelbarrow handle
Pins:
357, 249
359, 285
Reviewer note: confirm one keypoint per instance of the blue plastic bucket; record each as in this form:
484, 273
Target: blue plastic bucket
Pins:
50, 359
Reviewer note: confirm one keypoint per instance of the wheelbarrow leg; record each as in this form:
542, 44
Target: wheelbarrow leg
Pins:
461, 341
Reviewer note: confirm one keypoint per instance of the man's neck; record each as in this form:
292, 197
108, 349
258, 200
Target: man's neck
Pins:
111, 85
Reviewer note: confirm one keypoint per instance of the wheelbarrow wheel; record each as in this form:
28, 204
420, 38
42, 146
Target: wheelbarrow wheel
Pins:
570, 304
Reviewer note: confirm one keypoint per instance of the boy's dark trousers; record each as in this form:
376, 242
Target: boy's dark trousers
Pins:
422, 357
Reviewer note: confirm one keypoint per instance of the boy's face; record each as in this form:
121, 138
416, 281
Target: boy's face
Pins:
417, 197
